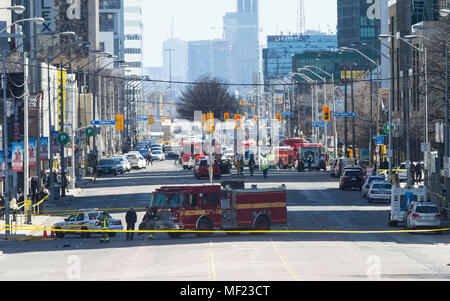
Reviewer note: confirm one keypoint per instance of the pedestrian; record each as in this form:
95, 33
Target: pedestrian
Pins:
265, 167
310, 160
412, 170
301, 164
104, 220
2, 206
251, 165
418, 172
241, 164
148, 222
131, 219
238, 165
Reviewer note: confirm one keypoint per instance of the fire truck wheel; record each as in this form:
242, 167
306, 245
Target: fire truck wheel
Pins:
174, 235
204, 225
262, 223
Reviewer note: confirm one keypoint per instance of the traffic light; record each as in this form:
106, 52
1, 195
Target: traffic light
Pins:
279, 117
238, 119
326, 114
226, 116
151, 120
119, 122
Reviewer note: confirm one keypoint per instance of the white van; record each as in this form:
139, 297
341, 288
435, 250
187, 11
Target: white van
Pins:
401, 197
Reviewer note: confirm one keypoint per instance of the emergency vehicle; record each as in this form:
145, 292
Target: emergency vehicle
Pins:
401, 197
190, 149
284, 157
317, 151
210, 207
85, 219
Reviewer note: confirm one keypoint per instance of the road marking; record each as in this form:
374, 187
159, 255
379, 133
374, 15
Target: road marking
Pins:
211, 261
286, 265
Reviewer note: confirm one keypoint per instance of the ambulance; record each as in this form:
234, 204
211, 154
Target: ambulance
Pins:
401, 197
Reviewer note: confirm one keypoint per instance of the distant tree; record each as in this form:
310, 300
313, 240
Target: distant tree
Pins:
207, 94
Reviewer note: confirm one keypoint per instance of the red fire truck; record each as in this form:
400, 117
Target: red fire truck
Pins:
209, 208
284, 157
296, 144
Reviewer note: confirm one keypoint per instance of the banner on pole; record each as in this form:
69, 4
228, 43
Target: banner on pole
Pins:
32, 154
17, 156
55, 144
43, 149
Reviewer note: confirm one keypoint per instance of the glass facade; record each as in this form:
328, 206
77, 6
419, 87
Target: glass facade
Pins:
277, 57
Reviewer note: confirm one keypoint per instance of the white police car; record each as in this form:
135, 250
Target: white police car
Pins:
86, 219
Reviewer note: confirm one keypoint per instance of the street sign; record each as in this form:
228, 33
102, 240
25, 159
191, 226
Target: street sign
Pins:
287, 114
90, 132
386, 128
140, 119
345, 114
103, 122
379, 140
63, 138
321, 124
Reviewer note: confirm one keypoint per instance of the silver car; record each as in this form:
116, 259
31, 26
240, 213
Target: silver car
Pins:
368, 182
379, 191
423, 215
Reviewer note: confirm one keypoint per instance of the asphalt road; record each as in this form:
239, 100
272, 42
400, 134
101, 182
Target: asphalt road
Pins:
314, 203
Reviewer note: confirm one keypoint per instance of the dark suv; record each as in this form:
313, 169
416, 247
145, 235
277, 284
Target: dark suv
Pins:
107, 166
351, 178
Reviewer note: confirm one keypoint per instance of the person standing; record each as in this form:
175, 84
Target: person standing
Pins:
149, 222
104, 220
251, 165
413, 172
418, 172
310, 161
301, 164
265, 167
131, 219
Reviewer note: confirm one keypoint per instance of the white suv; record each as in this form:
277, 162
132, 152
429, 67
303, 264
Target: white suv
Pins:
423, 215
379, 191
86, 219
368, 182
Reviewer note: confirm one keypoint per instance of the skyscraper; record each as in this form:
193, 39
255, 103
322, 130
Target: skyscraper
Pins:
133, 31
241, 29
111, 22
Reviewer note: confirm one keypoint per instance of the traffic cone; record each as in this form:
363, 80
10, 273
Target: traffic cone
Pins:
52, 234
95, 180
45, 234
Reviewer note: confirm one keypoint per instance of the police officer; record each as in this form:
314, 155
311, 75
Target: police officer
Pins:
130, 218
251, 165
265, 167
310, 160
105, 227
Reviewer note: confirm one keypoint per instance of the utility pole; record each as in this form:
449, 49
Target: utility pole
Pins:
26, 153
61, 120
5, 143
346, 121
353, 111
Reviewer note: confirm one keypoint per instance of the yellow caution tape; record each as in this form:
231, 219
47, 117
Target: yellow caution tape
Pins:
44, 228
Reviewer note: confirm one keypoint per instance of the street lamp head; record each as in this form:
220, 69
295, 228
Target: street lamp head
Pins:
384, 36
67, 33
18, 9
38, 21
444, 12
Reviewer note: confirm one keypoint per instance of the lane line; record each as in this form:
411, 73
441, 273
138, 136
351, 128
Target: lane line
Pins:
283, 260
211, 261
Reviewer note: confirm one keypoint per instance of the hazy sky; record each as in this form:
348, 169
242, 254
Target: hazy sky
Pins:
202, 19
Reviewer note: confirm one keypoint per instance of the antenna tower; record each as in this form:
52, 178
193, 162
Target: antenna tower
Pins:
301, 21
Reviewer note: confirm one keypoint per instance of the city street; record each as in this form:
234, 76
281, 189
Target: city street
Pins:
314, 203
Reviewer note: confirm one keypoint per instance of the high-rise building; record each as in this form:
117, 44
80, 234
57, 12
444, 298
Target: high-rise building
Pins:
241, 29
175, 59
211, 58
133, 30
358, 26
111, 23
277, 57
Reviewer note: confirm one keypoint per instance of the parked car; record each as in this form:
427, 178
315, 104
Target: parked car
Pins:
368, 182
122, 163
225, 167
133, 159
423, 215
352, 178
201, 169
344, 162
142, 162
87, 219
402, 173
127, 163
107, 166
158, 155
379, 191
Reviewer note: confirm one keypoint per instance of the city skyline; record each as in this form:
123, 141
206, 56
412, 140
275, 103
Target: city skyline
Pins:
272, 21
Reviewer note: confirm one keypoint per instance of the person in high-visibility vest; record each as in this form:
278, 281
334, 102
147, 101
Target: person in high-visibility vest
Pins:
265, 166
104, 220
